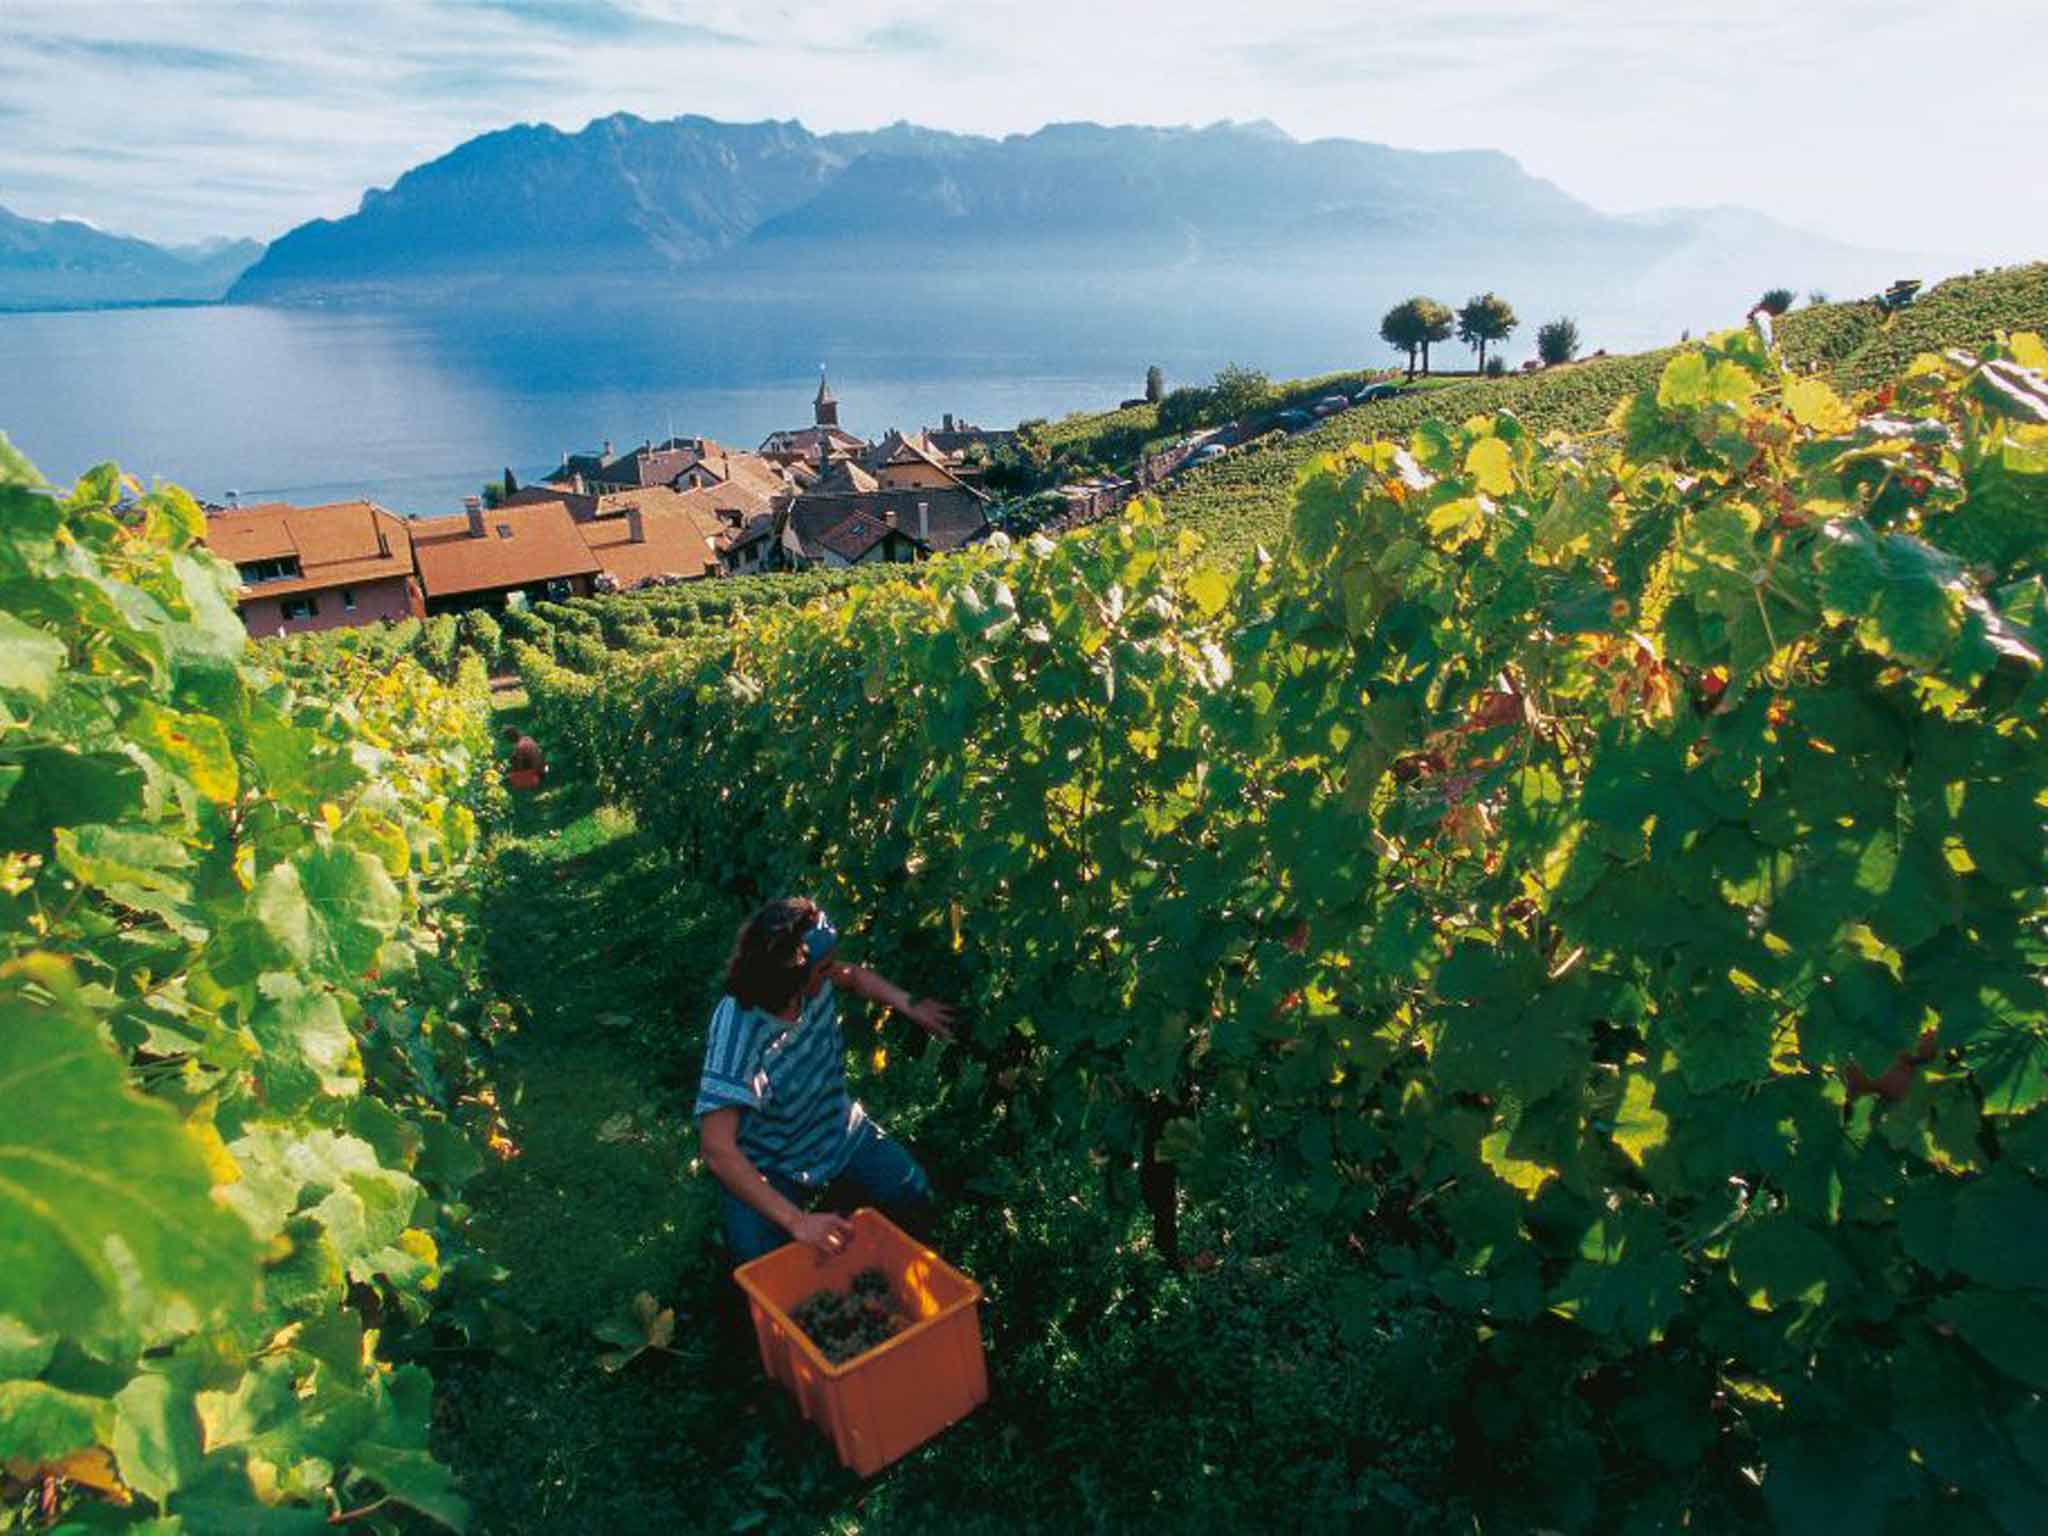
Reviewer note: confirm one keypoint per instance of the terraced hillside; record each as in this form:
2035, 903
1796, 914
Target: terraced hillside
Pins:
1244, 500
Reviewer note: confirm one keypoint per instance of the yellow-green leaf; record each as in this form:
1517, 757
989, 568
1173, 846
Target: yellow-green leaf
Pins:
1640, 1128
1491, 464
1815, 406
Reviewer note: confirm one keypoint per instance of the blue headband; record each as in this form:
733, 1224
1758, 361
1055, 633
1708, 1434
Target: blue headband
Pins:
820, 941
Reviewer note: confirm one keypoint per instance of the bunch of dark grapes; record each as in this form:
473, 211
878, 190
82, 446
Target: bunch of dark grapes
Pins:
850, 1323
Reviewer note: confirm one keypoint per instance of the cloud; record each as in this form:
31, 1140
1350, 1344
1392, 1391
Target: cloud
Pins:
248, 116
904, 37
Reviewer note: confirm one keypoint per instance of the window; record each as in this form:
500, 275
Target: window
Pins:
307, 607
348, 599
283, 568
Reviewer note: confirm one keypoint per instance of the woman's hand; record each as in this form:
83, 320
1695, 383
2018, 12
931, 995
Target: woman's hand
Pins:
828, 1235
933, 1016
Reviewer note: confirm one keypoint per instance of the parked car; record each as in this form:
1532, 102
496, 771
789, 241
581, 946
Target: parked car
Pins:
1208, 451
1330, 405
1294, 421
1385, 390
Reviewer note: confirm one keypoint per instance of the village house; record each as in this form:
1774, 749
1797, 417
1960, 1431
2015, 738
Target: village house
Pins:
313, 568
834, 528
656, 534
680, 464
908, 463
822, 440
957, 436
481, 558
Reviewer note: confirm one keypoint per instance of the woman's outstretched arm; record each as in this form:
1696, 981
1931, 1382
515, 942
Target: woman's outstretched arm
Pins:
928, 1013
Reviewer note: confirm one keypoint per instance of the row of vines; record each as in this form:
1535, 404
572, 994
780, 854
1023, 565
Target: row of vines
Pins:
579, 633
1609, 877
1244, 499
240, 1018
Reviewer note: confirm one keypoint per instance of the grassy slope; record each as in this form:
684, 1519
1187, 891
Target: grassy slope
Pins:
1112, 440
1126, 1396
1243, 500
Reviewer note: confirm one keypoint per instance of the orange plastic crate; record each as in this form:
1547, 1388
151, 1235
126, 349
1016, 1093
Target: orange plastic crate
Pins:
889, 1401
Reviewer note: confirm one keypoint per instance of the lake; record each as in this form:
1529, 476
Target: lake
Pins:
415, 408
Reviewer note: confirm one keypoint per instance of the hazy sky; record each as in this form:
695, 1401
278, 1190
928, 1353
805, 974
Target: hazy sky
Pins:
1891, 123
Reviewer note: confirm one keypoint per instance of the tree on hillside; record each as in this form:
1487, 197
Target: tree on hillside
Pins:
1816, 296
1436, 321
1401, 329
493, 495
1155, 384
1239, 391
1775, 301
511, 485
1186, 408
1413, 324
1486, 317
1557, 341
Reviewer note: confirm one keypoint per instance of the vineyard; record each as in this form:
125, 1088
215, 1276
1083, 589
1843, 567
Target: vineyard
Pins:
1519, 1005
1606, 882
242, 1013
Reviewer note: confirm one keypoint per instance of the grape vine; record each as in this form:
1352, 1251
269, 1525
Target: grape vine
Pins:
1609, 875
237, 1014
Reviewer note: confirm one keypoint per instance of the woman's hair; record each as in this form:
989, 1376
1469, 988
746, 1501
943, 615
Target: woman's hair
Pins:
768, 966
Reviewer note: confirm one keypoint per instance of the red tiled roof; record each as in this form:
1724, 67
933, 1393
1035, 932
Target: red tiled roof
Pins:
521, 545
339, 544
847, 478
680, 529
956, 517
855, 536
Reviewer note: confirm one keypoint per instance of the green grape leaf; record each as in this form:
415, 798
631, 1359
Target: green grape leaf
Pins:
2009, 1331
138, 870
330, 908
1627, 1281
1639, 1127
413, 1478
1777, 1260
101, 1190
23, 1351
307, 1048
38, 1423
156, 1439
2000, 1237
30, 658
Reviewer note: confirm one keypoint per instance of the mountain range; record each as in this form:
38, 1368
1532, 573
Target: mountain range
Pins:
692, 196
1073, 215
70, 264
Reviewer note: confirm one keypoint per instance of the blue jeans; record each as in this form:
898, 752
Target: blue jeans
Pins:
881, 1173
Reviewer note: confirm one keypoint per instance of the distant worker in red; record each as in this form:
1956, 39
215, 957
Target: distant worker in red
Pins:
528, 768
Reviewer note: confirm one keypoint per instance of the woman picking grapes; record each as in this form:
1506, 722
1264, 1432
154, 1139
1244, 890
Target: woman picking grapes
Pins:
775, 1119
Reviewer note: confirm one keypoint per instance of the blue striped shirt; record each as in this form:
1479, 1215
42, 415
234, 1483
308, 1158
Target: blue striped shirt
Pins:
800, 1122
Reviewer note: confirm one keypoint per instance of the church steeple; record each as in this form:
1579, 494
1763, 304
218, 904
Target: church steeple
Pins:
825, 408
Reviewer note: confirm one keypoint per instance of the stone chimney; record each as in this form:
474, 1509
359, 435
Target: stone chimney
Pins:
607, 447
889, 517
383, 539
636, 525
576, 483
924, 522
474, 506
